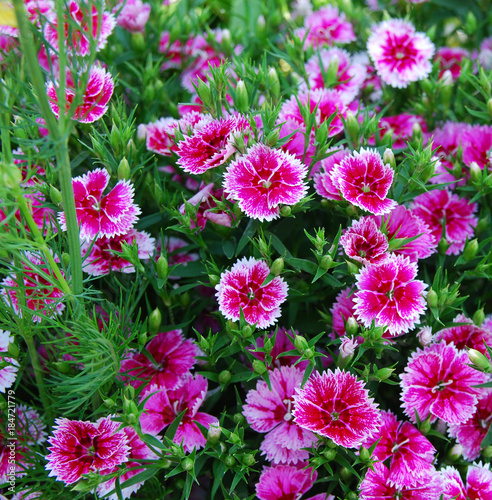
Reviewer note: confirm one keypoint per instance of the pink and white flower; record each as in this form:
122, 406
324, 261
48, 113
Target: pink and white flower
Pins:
111, 215
477, 142
401, 128
364, 181
8, 373
401, 55
284, 482
439, 383
263, 179
322, 179
241, 289
134, 16
450, 59
478, 483
337, 405
79, 447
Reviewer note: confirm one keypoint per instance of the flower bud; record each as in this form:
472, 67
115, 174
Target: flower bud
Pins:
230, 461
332, 72
213, 434
187, 464
242, 99
487, 453
432, 298
155, 320
301, 344
455, 452
65, 259
109, 402
129, 392
417, 132
442, 246
162, 267
214, 279
205, 94
259, 367
138, 42
351, 267
273, 137
352, 126
364, 454
351, 326
322, 133
285, 211
10, 175
247, 331
239, 418
277, 266
389, 158
352, 495
479, 360
345, 473
330, 454
124, 170
479, 317
483, 225
475, 172
489, 106
62, 366
326, 262
425, 336
383, 374
224, 377
248, 459
13, 350
471, 249
273, 83
425, 426
55, 195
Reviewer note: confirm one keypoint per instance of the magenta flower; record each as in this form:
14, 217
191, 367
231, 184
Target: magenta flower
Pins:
400, 54
400, 127
478, 483
284, 482
477, 142
10, 366
364, 242
134, 16
164, 405
83, 27
81, 447
453, 487
342, 310
389, 294
438, 382
364, 180
111, 215
270, 411
168, 358
211, 145
322, 179
336, 405
97, 94
471, 434
440, 209
450, 59
263, 179
159, 136
102, 259
410, 452
242, 289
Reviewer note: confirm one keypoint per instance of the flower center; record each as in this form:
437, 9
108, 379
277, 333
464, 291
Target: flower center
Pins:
266, 184
397, 445
366, 188
335, 415
96, 205
400, 55
441, 385
390, 294
251, 294
288, 415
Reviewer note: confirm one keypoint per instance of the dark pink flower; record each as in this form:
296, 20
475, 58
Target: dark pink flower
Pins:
336, 405
263, 179
389, 294
411, 454
83, 27
438, 382
364, 242
401, 128
476, 143
471, 434
134, 16
242, 289
342, 310
453, 487
165, 405
441, 209
450, 58
102, 259
400, 54
97, 94
211, 145
81, 447
322, 179
159, 136
284, 482
270, 411
111, 215
167, 358
364, 180
479, 482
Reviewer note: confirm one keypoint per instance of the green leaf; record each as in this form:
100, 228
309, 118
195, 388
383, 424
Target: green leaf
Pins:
249, 232
229, 247
171, 430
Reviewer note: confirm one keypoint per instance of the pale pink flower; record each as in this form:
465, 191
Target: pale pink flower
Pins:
411, 454
337, 405
270, 411
440, 208
364, 181
165, 405
438, 382
98, 92
348, 346
78, 29
376, 486
476, 143
401, 128
285, 482
101, 256
167, 358
8, 373
342, 310
263, 179
138, 451
471, 433
450, 58
211, 145
43, 298
79, 447
322, 179
241, 289
134, 16
485, 54
425, 336
401, 55
29, 426
389, 294
326, 26
364, 242
111, 215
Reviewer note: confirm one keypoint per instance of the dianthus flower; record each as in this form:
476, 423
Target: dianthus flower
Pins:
242, 289
440, 208
41, 295
134, 16
476, 142
82, 28
471, 434
364, 242
211, 145
389, 294
438, 382
478, 483
263, 179
167, 358
111, 215
411, 453
100, 257
336, 405
270, 411
450, 58
485, 54
79, 447
401, 128
98, 92
364, 181
165, 405
400, 54
322, 179
284, 482
8, 373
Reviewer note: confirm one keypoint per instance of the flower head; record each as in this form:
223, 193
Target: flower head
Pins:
322, 179
336, 405
134, 16
477, 142
400, 54
284, 482
242, 289
8, 373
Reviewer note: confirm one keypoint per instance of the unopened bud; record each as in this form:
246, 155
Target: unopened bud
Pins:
487, 453
230, 461
162, 267
285, 211
155, 320
455, 452
479, 360
131, 418
13, 350
55, 195
142, 338
352, 126
65, 259
345, 473
242, 99
332, 72
330, 454
365, 454
479, 317
277, 266
471, 249
239, 418
214, 279
308, 354
389, 158
204, 93
273, 137
442, 246
322, 134
247, 331
489, 106
273, 83
416, 132
351, 267
224, 377
300, 343
248, 459
351, 326
475, 172
425, 336
124, 170
259, 367
326, 262
187, 464
62, 366
213, 434
383, 374
109, 402
432, 298
425, 426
